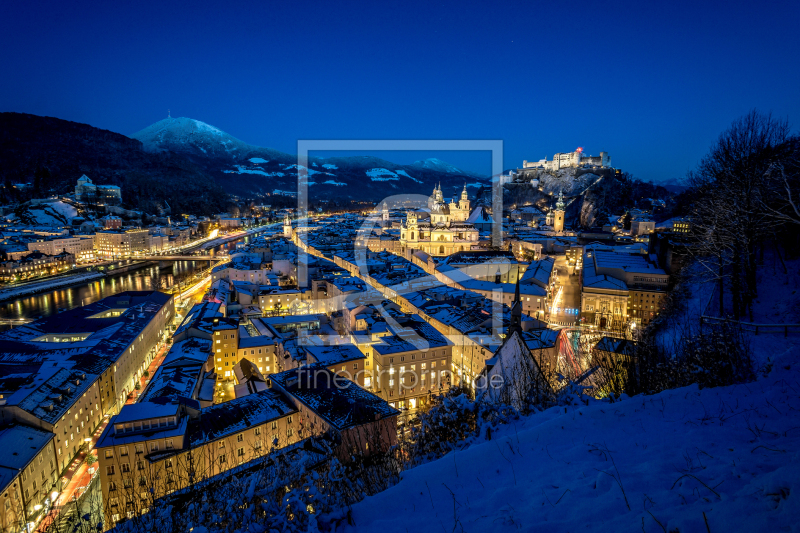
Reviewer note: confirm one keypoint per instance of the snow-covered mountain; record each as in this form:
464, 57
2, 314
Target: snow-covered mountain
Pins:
187, 135
433, 163
245, 169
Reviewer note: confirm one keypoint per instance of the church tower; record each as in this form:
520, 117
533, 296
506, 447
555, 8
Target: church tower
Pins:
463, 203
385, 214
558, 215
438, 196
411, 231
516, 313
287, 227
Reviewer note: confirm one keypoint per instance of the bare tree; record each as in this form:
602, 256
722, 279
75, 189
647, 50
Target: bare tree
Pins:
735, 172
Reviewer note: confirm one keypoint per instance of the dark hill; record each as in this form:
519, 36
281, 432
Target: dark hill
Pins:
52, 154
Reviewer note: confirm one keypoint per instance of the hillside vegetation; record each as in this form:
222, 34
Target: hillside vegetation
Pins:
52, 154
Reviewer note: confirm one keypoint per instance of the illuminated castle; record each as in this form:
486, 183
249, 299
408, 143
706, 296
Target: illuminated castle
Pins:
570, 160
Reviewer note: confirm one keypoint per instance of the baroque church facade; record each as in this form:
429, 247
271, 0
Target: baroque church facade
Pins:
446, 232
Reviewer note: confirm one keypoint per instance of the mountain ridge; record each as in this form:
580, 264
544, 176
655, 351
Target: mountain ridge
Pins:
192, 166
245, 169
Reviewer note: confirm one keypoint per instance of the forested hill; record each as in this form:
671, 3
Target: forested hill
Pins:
191, 166
52, 154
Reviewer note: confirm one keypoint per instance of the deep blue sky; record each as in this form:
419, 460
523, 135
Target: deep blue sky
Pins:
652, 83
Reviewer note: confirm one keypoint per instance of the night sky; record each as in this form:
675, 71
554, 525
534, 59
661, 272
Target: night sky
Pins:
652, 83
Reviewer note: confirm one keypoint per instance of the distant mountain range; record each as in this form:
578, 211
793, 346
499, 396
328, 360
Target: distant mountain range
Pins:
190, 166
247, 170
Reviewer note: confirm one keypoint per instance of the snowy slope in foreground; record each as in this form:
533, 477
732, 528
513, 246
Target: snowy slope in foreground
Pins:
732, 453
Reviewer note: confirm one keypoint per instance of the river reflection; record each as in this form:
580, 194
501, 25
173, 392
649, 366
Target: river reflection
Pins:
50, 303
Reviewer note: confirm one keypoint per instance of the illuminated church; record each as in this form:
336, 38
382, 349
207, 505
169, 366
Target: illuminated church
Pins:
446, 232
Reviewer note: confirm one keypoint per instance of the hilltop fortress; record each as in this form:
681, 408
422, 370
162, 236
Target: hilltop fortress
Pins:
574, 159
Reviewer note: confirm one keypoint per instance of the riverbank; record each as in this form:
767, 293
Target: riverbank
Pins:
48, 296
48, 285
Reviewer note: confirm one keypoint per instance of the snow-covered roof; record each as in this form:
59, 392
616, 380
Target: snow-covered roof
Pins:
339, 401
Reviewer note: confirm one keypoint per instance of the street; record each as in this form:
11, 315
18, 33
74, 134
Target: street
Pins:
567, 300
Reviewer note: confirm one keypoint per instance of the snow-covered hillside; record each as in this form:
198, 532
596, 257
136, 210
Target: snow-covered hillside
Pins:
433, 163
55, 214
570, 180
190, 136
687, 460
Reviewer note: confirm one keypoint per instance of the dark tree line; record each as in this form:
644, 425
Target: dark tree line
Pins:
746, 198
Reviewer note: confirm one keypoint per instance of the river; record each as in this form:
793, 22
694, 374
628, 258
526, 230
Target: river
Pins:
50, 303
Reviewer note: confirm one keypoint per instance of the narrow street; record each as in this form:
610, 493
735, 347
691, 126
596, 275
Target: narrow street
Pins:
151, 370
567, 300
77, 479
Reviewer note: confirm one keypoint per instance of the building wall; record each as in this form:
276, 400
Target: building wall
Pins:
599, 304
642, 227
644, 305
112, 245
261, 356
226, 349
35, 484
134, 360
406, 379
569, 160
165, 473
77, 425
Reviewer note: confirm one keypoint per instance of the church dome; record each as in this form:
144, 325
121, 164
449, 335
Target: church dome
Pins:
440, 208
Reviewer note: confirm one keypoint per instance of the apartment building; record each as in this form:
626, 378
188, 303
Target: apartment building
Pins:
36, 264
29, 476
85, 362
358, 420
406, 368
620, 286
344, 360
153, 448
118, 244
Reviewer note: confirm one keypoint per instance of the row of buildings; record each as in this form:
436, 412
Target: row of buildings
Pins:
61, 378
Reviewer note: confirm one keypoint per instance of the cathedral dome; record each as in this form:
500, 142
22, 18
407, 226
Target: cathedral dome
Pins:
440, 208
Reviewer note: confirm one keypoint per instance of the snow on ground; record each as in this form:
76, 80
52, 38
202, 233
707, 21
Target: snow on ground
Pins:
565, 180
258, 160
329, 182
686, 322
381, 174
202, 126
777, 301
240, 169
310, 171
64, 209
732, 453
438, 164
404, 173
50, 214
330, 166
